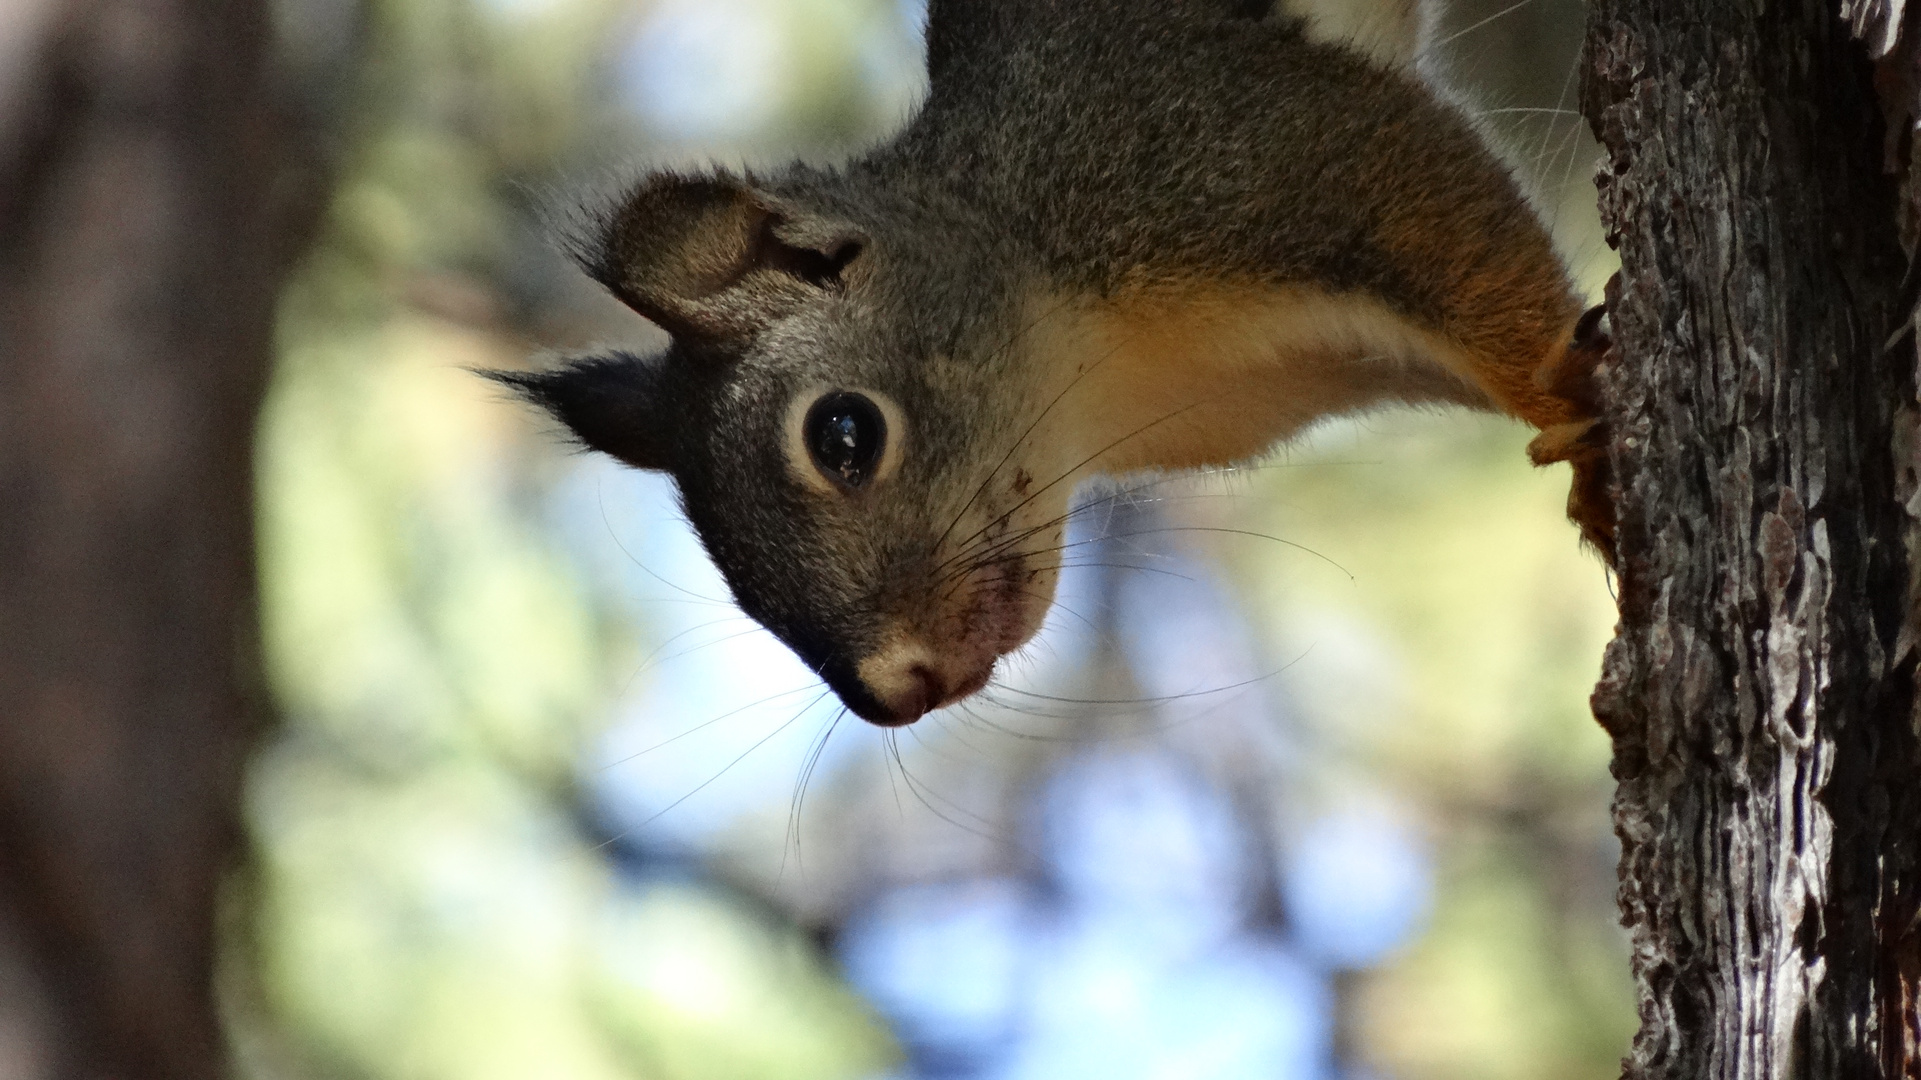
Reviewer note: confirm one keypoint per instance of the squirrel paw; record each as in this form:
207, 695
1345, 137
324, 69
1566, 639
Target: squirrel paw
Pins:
1583, 442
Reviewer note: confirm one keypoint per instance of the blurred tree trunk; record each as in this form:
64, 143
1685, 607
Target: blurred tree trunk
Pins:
1760, 691
149, 209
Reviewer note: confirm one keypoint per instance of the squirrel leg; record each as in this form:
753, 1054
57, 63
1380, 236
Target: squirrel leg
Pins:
1581, 440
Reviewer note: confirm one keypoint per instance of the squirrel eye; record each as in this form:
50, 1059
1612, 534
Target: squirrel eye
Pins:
845, 434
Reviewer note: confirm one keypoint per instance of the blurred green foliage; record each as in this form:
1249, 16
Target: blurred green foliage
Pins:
1449, 656
426, 904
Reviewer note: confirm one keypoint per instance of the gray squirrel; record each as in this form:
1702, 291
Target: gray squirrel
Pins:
1118, 236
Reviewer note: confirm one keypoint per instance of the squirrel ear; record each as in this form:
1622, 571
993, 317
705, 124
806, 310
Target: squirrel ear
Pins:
610, 403
708, 258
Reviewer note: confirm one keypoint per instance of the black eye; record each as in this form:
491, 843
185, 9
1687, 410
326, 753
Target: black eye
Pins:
845, 434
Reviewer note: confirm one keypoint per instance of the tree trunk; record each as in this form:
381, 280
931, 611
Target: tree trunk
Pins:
1759, 692
147, 218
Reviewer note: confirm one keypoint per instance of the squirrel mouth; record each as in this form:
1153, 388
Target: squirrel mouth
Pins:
899, 686
916, 672
930, 691
924, 664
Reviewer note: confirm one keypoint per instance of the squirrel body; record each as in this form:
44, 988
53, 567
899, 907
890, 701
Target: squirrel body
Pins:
1118, 236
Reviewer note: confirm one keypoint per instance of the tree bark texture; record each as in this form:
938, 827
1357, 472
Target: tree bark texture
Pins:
1759, 692
147, 219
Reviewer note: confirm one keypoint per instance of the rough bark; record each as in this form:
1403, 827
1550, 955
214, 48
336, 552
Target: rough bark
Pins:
1758, 693
147, 217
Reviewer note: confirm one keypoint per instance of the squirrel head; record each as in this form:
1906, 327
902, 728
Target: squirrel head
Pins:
844, 418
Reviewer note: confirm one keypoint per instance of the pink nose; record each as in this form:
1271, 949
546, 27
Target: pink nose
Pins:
900, 686
923, 692
933, 689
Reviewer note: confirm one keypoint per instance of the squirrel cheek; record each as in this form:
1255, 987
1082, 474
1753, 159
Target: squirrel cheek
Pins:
1034, 600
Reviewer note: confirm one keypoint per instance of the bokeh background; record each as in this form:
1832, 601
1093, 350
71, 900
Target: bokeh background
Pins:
1299, 783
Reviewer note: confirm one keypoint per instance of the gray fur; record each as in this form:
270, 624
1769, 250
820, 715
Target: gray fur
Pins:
1066, 147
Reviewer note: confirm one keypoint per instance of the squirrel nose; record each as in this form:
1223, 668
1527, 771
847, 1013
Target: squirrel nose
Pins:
907, 684
933, 691
913, 697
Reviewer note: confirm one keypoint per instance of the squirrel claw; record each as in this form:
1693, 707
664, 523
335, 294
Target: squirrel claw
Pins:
1583, 442
1571, 377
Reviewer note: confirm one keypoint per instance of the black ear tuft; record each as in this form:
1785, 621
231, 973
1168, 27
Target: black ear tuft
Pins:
611, 404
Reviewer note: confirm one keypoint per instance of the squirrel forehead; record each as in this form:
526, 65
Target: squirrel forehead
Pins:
911, 343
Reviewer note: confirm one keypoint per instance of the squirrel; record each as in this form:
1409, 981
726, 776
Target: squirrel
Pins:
1117, 236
